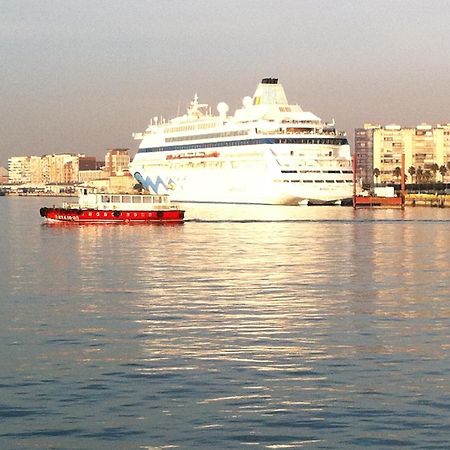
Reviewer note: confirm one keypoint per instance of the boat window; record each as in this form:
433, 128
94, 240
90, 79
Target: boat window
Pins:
115, 198
147, 199
106, 198
137, 199
126, 199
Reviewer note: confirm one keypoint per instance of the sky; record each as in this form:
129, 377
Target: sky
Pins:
81, 76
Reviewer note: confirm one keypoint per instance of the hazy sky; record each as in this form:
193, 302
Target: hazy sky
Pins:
82, 75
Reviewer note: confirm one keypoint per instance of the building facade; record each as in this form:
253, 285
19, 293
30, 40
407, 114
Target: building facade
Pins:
3, 175
67, 168
379, 150
117, 161
19, 169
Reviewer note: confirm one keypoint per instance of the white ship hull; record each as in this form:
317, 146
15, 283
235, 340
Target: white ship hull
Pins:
269, 152
224, 179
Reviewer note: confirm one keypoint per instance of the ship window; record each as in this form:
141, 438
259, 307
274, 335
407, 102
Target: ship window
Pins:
126, 199
147, 199
339, 181
115, 198
329, 181
319, 181
307, 181
137, 199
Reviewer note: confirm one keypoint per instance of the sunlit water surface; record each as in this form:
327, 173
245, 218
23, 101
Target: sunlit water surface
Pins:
245, 327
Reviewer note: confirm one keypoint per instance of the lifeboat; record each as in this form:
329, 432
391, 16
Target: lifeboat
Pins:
95, 207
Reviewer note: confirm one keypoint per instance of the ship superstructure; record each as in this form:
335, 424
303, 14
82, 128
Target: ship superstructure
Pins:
268, 152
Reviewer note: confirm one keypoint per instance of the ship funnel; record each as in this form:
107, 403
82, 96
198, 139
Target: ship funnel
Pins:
270, 92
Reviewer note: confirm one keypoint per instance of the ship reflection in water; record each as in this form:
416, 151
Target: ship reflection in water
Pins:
274, 327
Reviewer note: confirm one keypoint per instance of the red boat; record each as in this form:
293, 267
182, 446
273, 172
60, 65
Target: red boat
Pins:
93, 207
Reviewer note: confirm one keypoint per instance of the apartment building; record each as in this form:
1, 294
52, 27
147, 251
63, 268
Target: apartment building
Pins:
117, 161
379, 149
3, 175
19, 169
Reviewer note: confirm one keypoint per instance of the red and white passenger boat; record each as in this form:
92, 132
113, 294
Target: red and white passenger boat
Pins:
94, 207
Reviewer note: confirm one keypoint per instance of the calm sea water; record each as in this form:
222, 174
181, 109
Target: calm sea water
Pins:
245, 327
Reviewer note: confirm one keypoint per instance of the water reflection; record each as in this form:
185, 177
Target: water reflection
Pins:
270, 327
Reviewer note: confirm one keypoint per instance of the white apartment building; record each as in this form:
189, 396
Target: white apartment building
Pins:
426, 148
19, 169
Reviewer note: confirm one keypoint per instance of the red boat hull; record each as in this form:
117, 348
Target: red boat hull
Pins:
110, 216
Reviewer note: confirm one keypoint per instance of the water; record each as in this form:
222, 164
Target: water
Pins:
245, 327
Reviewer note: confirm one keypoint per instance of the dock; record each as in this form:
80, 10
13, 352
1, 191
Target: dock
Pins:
380, 201
373, 201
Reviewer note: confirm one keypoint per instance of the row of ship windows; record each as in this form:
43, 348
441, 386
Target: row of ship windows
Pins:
245, 142
315, 181
133, 199
322, 141
316, 171
207, 136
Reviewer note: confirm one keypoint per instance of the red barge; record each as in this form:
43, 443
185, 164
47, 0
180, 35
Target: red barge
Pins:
94, 207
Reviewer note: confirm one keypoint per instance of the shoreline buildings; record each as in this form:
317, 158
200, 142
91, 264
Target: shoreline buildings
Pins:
379, 149
68, 169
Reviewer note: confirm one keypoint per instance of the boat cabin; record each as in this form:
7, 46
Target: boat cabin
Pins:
91, 199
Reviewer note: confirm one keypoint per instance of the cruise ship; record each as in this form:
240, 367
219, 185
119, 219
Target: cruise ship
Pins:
268, 152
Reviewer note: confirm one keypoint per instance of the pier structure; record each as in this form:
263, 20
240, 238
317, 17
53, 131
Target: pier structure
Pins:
380, 201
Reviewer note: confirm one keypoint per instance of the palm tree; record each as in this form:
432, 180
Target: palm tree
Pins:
427, 175
419, 174
443, 171
434, 169
376, 173
412, 172
397, 172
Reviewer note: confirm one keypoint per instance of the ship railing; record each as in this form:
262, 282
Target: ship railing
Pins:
67, 205
303, 131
